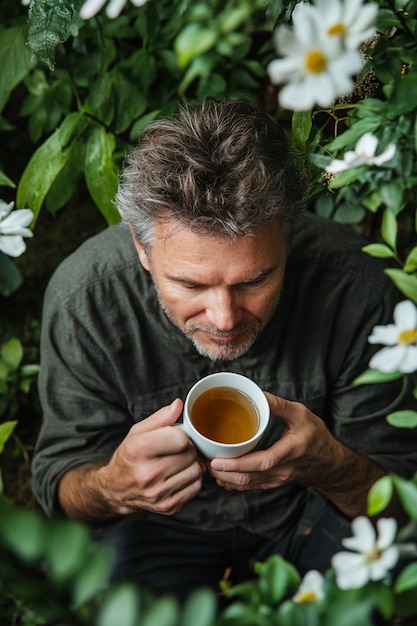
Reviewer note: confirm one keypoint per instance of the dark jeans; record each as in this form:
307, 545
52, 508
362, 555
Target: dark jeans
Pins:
174, 559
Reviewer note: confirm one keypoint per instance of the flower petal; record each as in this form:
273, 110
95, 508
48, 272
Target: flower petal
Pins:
386, 155
350, 569
387, 530
405, 315
16, 220
388, 360
367, 145
387, 335
5, 209
363, 535
12, 245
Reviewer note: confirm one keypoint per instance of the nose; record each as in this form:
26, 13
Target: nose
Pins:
223, 310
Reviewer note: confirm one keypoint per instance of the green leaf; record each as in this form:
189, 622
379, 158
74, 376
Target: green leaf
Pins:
410, 264
301, 125
164, 612
404, 95
12, 353
403, 419
5, 181
380, 495
93, 576
379, 250
389, 228
193, 40
10, 276
23, 532
100, 172
406, 283
371, 376
351, 136
6, 429
407, 492
15, 61
346, 177
407, 579
44, 166
66, 549
51, 23
200, 608
120, 606
392, 195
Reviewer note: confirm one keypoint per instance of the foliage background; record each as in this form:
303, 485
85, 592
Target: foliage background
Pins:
74, 97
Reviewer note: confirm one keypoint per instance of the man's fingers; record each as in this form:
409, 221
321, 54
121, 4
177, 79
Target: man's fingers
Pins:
166, 416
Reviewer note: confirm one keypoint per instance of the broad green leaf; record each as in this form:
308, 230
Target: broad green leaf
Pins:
346, 177
12, 352
44, 166
301, 125
407, 579
403, 419
120, 607
15, 61
380, 495
67, 549
406, 283
351, 136
10, 276
404, 96
23, 531
6, 429
193, 40
131, 103
51, 23
93, 576
392, 194
371, 376
200, 608
389, 228
379, 250
410, 264
164, 612
407, 492
100, 172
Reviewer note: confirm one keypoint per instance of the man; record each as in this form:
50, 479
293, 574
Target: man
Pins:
215, 268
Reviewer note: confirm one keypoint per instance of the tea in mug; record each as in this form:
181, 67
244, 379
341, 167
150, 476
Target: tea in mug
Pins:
225, 415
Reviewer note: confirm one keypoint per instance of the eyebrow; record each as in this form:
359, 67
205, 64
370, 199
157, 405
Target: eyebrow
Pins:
195, 283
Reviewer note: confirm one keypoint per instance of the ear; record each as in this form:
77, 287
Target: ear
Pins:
143, 257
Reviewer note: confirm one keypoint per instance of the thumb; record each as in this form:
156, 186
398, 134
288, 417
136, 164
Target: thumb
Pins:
289, 411
166, 416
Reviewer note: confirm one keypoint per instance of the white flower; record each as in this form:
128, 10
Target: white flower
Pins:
316, 67
373, 557
401, 337
364, 154
13, 229
114, 7
311, 588
349, 19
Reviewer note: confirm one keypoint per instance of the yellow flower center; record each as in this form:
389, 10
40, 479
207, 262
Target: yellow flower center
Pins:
408, 336
315, 61
307, 596
337, 29
373, 555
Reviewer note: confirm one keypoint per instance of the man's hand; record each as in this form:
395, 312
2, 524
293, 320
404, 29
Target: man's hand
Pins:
155, 468
306, 454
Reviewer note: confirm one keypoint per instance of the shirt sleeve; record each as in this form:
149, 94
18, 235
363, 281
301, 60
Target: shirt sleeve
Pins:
84, 415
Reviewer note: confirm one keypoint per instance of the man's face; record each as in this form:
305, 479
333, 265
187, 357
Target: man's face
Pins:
220, 293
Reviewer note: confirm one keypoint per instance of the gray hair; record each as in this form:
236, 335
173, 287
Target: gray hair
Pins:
220, 168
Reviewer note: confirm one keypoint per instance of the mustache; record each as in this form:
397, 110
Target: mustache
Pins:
237, 330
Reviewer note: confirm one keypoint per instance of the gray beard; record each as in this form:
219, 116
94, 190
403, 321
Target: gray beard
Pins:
223, 351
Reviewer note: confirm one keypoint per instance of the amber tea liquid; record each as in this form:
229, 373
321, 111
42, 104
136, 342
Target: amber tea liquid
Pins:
225, 415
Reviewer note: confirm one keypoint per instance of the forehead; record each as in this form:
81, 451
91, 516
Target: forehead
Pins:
178, 251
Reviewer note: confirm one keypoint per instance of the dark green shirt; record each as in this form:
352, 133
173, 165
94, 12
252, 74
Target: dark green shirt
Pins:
110, 357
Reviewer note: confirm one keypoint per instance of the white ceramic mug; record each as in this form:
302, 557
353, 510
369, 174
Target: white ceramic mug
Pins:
225, 381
